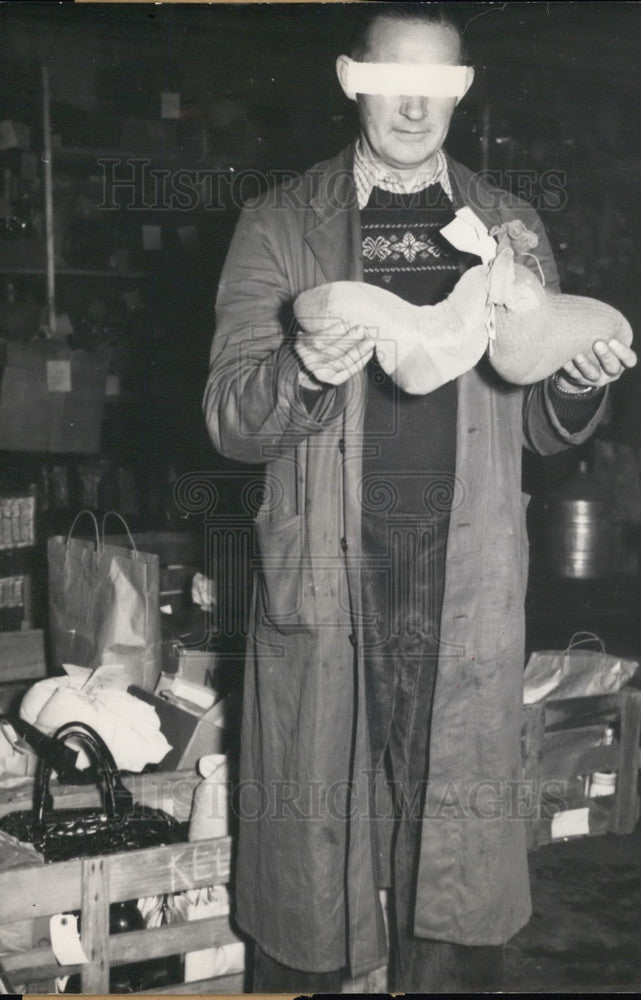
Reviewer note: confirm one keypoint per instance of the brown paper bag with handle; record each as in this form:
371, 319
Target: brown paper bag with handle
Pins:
104, 604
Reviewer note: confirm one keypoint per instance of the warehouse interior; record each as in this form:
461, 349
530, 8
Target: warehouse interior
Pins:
130, 137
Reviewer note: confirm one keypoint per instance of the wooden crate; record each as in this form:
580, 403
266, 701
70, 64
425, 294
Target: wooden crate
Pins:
90, 885
562, 745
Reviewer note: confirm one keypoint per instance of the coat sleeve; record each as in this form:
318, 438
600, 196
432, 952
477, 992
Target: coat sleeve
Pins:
543, 431
253, 404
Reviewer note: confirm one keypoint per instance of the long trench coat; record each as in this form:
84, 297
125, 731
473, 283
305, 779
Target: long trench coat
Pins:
305, 888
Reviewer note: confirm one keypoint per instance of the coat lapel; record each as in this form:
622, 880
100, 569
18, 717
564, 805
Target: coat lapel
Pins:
335, 238
465, 191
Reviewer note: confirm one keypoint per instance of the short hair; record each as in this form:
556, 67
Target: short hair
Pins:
417, 13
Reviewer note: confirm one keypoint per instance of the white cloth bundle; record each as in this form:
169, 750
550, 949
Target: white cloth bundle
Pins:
130, 727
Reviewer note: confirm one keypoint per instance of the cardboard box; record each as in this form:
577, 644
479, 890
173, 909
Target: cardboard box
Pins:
52, 397
192, 731
196, 665
14, 134
22, 655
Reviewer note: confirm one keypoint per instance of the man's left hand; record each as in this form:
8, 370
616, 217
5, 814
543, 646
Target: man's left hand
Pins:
607, 362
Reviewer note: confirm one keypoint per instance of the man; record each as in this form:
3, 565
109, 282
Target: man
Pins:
388, 604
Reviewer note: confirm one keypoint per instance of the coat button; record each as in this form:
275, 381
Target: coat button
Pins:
344, 544
352, 639
341, 446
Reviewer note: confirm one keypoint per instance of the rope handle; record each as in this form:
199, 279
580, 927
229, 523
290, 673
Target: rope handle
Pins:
114, 513
95, 524
538, 264
583, 638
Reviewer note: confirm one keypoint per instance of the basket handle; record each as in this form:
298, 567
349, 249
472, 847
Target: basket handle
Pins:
95, 524
117, 799
583, 638
114, 513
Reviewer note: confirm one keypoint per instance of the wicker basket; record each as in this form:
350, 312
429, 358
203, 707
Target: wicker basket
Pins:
17, 521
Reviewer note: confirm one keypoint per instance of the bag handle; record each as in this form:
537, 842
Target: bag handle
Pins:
95, 524
583, 639
114, 513
116, 798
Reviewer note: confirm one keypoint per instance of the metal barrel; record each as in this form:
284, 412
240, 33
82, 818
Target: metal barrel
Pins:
580, 539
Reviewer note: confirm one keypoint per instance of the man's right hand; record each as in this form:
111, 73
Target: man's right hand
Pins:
335, 354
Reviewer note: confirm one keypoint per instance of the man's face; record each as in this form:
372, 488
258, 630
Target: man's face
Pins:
405, 131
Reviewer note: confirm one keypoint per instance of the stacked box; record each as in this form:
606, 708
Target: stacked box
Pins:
52, 397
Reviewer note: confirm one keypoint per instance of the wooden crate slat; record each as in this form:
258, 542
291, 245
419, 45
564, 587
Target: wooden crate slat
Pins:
38, 960
39, 891
582, 711
626, 807
594, 759
94, 932
169, 869
176, 939
46, 889
134, 946
35, 966
220, 984
212, 932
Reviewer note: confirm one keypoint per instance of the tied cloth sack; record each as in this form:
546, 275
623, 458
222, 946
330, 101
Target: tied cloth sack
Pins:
498, 304
104, 604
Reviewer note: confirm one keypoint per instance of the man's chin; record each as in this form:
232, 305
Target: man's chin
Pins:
404, 161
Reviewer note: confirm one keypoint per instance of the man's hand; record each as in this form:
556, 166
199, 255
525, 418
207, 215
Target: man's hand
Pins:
336, 354
606, 364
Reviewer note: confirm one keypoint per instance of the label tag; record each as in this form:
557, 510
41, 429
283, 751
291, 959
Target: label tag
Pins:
571, 823
65, 940
169, 104
59, 376
112, 386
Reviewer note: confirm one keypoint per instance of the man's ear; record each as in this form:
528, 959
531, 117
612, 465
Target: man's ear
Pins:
342, 71
469, 79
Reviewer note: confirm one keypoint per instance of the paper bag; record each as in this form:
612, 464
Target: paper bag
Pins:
104, 605
575, 672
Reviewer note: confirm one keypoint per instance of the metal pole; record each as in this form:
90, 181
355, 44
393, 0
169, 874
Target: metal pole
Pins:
51, 277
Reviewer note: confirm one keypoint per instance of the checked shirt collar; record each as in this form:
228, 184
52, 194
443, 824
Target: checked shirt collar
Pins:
370, 172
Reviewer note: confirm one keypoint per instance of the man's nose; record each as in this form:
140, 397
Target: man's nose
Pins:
414, 107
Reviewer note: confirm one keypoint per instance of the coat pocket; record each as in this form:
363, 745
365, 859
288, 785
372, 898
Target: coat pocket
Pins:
285, 584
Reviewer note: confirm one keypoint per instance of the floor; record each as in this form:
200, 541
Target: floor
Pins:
584, 935
585, 931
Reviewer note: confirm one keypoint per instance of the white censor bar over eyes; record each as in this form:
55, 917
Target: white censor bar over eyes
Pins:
410, 79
